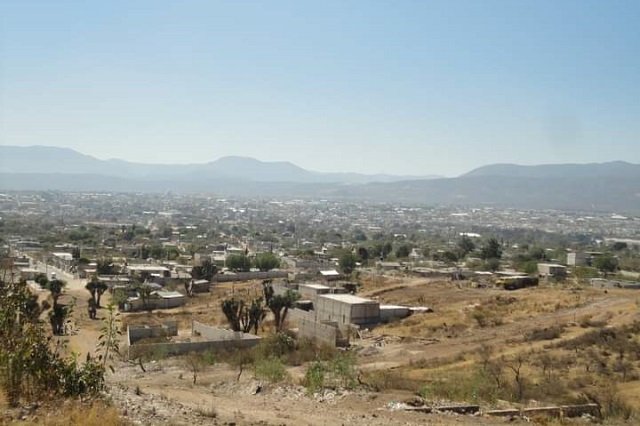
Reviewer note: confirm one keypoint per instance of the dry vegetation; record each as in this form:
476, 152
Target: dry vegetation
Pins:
549, 345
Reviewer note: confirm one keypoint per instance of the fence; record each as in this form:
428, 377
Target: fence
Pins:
248, 276
138, 332
217, 340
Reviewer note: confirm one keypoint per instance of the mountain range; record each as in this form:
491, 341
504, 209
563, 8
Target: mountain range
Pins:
611, 186
46, 159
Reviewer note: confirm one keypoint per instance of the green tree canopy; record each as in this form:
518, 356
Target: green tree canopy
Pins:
606, 263
238, 263
267, 261
403, 251
491, 250
205, 271
279, 304
465, 246
347, 262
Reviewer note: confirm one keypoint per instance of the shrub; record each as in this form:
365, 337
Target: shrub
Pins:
546, 333
270, 369
314, 377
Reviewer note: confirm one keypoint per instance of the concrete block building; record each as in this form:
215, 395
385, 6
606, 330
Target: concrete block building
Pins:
347, 309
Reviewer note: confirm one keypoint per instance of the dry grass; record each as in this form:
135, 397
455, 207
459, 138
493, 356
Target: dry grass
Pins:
73, 413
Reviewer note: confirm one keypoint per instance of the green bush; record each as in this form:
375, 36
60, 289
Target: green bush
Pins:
314, 377
270, 369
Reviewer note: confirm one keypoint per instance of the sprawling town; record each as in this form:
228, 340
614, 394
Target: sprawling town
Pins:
377, 312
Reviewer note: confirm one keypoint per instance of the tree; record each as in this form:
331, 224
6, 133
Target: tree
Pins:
465, 246
606, 263
619, 245
279, 304
347, 262
387, 248
267, 261
42, 280
403, 251
206, 271
491, 250
238, 263
91, 287
105, 267
55, 288
363, 253
96, 288
243, 318
31, 368
157, 251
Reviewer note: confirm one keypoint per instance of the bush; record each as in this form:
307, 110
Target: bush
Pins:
314, 377
277, 345
270, 369
547, 333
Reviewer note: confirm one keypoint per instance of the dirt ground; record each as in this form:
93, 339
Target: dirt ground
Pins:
165, 393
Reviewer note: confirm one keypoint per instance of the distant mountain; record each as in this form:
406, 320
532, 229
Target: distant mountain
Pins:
579, 187
43, 159
620, 169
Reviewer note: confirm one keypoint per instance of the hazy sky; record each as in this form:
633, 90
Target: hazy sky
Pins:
402, 87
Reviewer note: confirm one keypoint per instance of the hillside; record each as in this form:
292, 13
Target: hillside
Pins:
620, 169
584, 187
44, 159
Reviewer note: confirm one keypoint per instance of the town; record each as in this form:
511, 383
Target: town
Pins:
397, 310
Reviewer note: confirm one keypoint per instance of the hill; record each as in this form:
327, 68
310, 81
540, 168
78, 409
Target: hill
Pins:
582, 187
44, 159
620, 169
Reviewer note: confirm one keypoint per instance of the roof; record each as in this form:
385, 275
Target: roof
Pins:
315, 286
349, 298
147, 268
65, 256
169, 294
394, 307
330, 273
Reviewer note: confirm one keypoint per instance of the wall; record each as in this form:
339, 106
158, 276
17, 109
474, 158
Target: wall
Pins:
136, 351
365, 313
218, 339
604, 283
212, 333
138, 332
324, 333
356, 313
248, 276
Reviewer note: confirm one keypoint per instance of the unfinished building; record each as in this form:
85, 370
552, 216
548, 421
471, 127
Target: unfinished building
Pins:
346, 309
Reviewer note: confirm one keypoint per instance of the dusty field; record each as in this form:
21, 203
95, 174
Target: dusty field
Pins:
413, 351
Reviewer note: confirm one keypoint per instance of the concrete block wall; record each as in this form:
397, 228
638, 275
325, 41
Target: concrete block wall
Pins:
217, 339
248, 276
166, 349
294, 316
212, 333
139, 332
325, 333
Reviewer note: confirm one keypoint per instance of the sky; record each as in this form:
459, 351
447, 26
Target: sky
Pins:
399, 87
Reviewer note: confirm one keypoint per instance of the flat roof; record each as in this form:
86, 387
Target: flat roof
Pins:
169, 294
348, 298
147, 268
315, 286
394, 307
